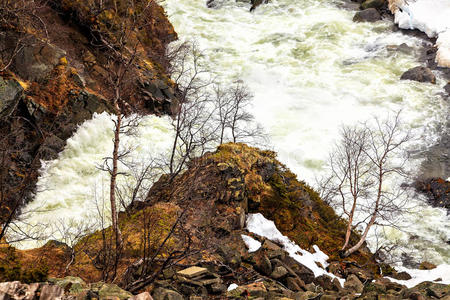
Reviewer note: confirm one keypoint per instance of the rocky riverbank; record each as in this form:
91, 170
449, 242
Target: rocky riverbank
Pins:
212, 251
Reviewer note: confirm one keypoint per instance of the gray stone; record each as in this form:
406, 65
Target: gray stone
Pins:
218, 288
279, 272
367, 15
166, 294
10, 93
37, 59
420, 74
354, 284
51, 292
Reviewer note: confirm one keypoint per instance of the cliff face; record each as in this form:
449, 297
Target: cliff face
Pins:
53, 75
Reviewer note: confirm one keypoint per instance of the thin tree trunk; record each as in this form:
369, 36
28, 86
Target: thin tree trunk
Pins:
372, 219
112, 190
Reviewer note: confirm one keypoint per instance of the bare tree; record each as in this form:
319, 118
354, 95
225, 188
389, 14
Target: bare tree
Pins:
122, 47
193, 126
361, 164
232, 106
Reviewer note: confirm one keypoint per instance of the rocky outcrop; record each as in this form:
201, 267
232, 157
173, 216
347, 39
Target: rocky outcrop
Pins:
420, 74
54, 78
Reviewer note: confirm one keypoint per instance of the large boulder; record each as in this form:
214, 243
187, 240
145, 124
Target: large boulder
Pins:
10, 93
372, 4
420, 74
367, 15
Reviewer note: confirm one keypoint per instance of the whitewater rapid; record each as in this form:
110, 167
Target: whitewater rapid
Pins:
310, 69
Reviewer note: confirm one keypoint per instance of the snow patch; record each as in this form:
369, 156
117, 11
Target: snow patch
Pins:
259, 225
252, 244
429, 16
418, 276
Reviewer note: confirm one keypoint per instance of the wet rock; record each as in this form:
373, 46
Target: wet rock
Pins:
447, 89
372, 4
353, 284
166, 294
420, 74
256, 3
427, 266
51, 147
10, 93
367, 15
401, 276
438, 194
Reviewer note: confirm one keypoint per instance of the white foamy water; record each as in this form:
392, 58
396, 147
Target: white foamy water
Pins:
311, 69
74, 190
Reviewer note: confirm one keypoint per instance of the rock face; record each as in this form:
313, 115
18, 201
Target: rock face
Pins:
367, 15
56, 79
421, 74
10, 93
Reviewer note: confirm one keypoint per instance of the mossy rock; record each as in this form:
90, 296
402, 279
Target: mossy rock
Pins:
108, 291
74, 285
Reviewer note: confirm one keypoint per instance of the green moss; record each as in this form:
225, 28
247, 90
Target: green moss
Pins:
11, 269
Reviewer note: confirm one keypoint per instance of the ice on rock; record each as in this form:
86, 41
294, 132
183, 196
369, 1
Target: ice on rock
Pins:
441, 272
259, 225
252, 244
429, 16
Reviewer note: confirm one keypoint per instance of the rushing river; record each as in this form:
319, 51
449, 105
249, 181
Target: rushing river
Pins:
311, 69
